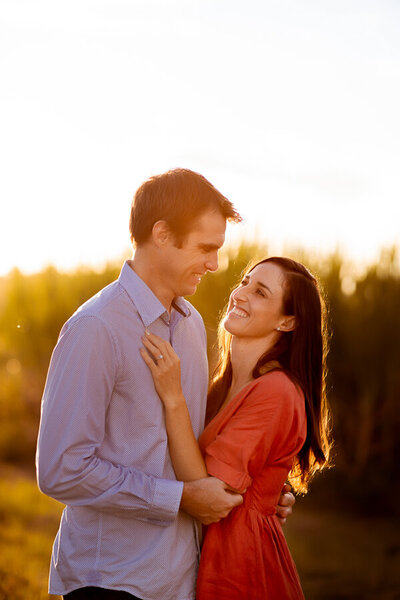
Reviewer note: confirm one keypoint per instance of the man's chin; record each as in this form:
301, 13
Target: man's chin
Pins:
189, 290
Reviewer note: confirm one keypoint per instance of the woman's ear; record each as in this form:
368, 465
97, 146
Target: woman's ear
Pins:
288, 324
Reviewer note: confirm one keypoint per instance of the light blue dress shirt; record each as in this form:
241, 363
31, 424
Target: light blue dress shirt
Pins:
103, 451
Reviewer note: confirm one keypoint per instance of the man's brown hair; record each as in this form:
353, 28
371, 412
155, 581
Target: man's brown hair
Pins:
178, 197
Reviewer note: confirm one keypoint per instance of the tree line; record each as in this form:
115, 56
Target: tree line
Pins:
363, 360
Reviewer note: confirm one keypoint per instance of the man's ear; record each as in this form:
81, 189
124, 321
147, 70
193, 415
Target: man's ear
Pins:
288, 324
161, 233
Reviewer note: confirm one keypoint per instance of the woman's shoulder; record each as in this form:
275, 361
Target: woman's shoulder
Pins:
269, 397
278, 382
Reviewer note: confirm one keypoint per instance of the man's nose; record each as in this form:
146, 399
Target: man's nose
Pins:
212, 262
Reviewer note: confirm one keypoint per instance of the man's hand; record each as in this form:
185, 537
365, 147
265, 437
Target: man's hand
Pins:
285, 504
208, 500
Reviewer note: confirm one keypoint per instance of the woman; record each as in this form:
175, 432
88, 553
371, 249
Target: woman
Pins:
267, 421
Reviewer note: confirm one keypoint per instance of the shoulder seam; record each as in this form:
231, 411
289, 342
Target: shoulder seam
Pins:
107, 327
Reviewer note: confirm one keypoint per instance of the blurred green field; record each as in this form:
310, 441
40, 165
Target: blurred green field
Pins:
339, 555
344, 536
28, 523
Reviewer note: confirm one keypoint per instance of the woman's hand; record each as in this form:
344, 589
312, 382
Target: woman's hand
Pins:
164, 366
285, 504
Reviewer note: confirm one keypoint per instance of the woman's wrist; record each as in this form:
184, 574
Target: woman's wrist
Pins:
174, 402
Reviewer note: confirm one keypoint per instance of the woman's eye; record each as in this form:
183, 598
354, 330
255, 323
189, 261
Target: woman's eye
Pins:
260, 292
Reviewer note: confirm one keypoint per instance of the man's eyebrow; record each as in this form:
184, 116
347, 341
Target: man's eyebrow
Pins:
209, 246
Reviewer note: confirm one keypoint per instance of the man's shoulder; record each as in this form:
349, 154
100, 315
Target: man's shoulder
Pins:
102, 306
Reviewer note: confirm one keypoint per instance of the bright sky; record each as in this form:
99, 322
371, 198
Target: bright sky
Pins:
290, 108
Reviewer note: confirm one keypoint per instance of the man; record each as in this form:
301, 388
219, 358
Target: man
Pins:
129, 528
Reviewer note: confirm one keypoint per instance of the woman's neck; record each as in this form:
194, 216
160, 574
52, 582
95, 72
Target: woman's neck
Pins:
244, 356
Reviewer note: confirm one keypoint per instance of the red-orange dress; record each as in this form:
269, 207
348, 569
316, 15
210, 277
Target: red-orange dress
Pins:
251, 444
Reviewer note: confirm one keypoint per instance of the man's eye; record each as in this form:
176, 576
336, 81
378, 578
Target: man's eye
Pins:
260, 292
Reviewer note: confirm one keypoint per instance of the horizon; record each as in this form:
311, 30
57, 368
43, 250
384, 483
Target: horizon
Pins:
290, 111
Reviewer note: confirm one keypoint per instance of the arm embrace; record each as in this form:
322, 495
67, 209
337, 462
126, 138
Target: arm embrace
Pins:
206, 498
185, 453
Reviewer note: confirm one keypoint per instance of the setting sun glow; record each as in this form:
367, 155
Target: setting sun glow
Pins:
291, 113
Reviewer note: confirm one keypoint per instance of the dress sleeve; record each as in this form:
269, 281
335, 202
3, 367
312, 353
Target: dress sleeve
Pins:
260, 428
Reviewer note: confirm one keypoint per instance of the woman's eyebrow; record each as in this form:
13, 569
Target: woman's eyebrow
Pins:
247, 277
264, 286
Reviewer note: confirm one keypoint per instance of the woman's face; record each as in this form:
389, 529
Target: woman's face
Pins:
255, 306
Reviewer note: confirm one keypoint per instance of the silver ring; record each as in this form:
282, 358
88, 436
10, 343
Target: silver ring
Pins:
160, 357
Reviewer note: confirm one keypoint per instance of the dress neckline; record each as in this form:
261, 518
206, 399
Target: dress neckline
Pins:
238, 393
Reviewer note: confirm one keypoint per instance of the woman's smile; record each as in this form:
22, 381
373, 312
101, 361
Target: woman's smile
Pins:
238, 312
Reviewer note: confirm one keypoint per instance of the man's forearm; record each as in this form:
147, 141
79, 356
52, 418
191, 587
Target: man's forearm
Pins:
105, 486
76, 400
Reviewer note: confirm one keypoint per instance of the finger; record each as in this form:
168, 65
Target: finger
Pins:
284, 512
237, 499
149, 343
234, 490
154, 350
158, 347
290, 499
158, 341
284, 500
286, 488
287, 499
155, 339
148, 360
289, 511
159, 355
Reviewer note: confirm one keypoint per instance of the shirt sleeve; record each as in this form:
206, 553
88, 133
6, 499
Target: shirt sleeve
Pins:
78, 390
263, 425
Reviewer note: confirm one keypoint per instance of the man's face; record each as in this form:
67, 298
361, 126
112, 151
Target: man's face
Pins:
185, 266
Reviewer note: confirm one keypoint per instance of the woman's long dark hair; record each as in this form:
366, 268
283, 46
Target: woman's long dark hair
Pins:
301, 354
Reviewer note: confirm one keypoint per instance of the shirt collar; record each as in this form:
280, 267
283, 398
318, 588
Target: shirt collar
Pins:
148, 305
180, 305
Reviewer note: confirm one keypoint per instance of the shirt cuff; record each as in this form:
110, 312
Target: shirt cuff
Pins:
166, 500
234, 478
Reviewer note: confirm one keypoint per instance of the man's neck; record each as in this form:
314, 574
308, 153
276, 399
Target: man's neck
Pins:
145, 267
